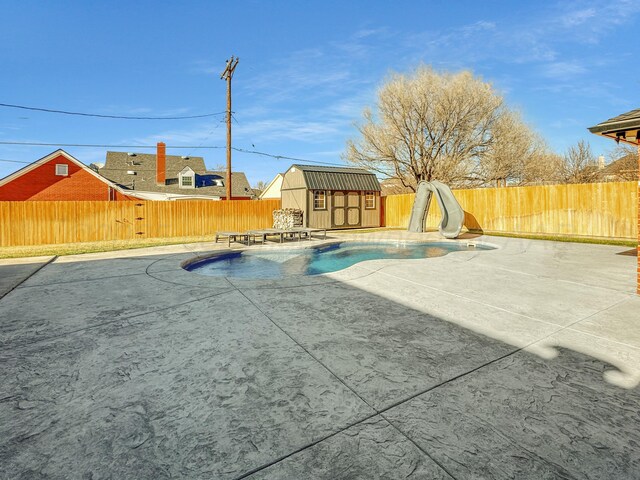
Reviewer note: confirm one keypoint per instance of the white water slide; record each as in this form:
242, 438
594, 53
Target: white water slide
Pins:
452, 213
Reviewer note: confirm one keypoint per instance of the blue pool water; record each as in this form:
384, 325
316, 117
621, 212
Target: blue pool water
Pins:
276, 263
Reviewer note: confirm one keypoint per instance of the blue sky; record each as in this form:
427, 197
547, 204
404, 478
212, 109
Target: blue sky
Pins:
306, 71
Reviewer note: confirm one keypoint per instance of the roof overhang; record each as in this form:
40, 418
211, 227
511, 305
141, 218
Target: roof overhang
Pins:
623, 128
142, 195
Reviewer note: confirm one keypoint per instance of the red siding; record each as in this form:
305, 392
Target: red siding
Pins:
42, 183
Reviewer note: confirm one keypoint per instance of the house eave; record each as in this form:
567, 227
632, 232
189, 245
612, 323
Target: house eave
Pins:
150, 195
614, 135
619, 128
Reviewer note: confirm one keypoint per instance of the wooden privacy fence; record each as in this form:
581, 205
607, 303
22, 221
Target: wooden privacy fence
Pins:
591, 210
594, 210
39, 223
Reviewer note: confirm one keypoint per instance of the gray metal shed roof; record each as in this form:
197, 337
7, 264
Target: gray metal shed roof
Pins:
338, 178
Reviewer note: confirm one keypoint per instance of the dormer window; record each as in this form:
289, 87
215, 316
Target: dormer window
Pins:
187, 178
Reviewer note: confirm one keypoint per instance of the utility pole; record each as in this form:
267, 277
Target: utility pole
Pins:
228, 75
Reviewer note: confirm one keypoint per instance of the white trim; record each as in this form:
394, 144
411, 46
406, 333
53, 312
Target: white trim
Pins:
324, 200
190, 181
168, 196
187, 172
62, 170
369, 193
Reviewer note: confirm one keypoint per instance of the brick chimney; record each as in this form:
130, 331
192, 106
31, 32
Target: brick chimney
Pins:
161, 163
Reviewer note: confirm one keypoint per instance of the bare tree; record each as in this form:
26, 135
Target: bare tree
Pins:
580, 164
260, 185
516, 156
428, 125
624, 164
542, 169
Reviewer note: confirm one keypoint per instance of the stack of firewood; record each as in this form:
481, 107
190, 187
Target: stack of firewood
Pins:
287, 218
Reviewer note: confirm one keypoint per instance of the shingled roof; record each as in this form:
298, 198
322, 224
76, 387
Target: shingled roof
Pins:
627, 123
143, 179
625, 168
338, 178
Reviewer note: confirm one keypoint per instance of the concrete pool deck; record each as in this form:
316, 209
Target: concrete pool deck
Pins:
519, 362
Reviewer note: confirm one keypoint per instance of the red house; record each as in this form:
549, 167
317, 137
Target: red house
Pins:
58, 176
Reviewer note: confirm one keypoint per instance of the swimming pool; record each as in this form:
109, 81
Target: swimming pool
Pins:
276, 263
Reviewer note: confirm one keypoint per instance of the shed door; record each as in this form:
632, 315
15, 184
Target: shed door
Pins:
346, 209
339, 213
353, 209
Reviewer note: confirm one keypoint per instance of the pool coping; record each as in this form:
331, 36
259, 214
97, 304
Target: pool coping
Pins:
353, 272
198, 258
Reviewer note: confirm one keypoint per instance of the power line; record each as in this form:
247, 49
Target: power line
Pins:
284, 157
110, 169
237, 149
277, 157
13, 161
97, 115
96, 145
207, 137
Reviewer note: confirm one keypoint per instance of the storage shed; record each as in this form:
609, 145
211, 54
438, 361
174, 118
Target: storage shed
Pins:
332, 197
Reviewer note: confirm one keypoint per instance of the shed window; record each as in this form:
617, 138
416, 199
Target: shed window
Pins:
319, 200
187, 181
62, 169
370, 200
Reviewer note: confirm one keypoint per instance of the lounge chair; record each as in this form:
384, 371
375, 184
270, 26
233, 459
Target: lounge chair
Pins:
269, 232
293, 232
266, 232
281, 233
309, 231
232, 236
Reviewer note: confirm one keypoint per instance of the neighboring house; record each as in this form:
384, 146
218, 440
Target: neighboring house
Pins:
58, 176
171, 177
273, 189
624, 169
332, 197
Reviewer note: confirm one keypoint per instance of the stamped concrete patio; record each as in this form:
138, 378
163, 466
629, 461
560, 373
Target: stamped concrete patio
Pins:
520, 362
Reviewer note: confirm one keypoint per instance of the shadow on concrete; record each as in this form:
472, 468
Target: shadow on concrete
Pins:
472, 224
319, 381
468, 236
13, 274
631, 253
